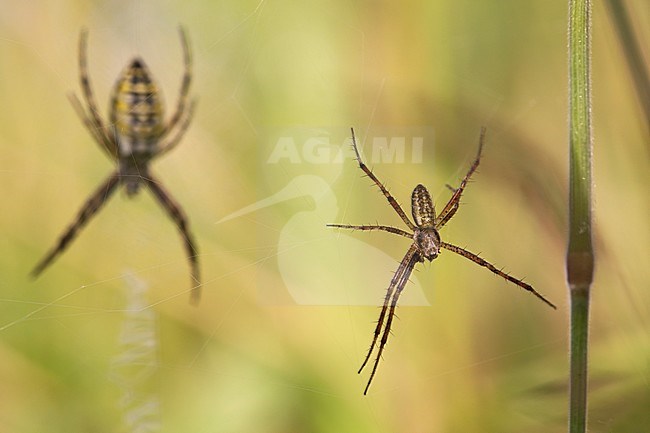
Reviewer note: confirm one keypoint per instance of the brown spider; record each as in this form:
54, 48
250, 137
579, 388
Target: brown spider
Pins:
426, 245
135, 134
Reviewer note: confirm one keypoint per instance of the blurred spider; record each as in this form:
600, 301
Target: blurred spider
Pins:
135, 134
426, 245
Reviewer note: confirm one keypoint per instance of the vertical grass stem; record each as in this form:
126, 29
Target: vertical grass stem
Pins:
580, 255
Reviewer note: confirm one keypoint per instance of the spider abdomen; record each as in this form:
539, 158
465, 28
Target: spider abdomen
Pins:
424, 213
137, 112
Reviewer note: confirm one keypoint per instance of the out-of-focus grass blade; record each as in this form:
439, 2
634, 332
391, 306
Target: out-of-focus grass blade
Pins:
633, 55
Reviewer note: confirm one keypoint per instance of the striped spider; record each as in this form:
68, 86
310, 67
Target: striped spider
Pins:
135, 134
426, 245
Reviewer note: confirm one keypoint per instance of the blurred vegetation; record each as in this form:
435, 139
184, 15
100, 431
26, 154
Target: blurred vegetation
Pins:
481, 357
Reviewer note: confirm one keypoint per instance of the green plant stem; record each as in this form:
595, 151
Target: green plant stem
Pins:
579, 350
580, 256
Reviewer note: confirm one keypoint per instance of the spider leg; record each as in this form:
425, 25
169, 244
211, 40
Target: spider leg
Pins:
388, 229
172, 141
383, 189
452, 205
108, 140
403, 274
451, 188
178, 216
389, 294
97, 133
184, 112
185, 84
480, 261
90, 208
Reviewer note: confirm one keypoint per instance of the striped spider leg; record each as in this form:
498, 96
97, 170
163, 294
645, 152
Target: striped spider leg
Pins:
135, 134
426, 245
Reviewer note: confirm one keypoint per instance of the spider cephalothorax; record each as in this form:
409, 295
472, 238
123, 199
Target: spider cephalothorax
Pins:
426, 245
135, 134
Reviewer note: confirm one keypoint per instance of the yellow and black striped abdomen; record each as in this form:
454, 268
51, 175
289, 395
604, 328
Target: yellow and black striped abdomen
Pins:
422, 207
137, 111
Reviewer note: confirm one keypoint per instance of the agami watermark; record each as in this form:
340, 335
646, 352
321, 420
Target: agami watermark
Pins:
304, 252
380, 148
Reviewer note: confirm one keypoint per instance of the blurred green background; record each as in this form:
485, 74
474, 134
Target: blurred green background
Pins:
105, 340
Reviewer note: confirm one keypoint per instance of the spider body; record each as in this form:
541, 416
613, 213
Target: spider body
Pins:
137, 113
135, 134
425, 236
427, 244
